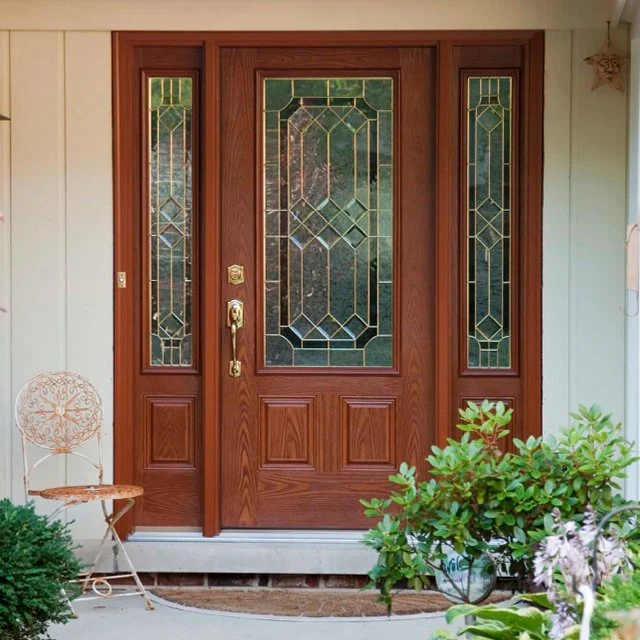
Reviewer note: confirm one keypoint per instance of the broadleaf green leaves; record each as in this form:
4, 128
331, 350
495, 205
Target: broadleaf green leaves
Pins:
480, 499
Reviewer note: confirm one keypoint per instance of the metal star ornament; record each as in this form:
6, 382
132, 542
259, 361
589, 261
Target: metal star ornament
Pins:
608, 67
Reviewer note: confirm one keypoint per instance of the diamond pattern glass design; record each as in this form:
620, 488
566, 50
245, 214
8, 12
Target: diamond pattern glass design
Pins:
328, 172
170, 221
489, 153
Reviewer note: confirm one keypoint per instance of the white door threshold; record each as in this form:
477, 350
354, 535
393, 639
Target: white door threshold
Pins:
246, 551
252, 535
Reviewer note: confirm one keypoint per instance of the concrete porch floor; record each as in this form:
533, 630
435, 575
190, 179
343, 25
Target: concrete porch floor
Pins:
127, 618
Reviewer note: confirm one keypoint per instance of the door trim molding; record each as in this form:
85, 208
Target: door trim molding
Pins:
125, 46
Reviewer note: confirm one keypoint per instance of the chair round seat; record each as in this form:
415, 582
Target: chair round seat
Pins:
86, 493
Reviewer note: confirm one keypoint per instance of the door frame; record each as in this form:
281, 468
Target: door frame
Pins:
449, 46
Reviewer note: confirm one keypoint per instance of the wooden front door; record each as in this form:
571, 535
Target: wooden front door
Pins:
360, 213
328, 198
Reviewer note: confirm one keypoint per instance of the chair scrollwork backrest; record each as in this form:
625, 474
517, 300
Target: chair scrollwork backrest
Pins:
58, 411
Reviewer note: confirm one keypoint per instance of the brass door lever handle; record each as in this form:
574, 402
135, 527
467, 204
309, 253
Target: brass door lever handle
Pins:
235, 321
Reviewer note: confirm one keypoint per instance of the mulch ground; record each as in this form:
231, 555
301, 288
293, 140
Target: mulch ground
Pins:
308, 602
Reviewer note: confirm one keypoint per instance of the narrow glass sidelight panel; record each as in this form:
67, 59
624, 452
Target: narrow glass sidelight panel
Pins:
489, 171
170, 111
328, 221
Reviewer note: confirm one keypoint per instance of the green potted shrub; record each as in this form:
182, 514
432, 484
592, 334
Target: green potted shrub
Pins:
36, 566
483, 500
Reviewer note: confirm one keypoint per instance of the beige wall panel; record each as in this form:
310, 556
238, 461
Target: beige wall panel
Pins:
89, 229
632, 420
556, 239
38, 239
302, 14
597, 227
6, 420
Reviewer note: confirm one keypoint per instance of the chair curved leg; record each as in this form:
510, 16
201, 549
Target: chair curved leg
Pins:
114, 519
96, 559
89, 582
51, 518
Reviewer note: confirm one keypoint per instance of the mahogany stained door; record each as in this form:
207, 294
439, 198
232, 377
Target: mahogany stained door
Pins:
158, 365
327, 204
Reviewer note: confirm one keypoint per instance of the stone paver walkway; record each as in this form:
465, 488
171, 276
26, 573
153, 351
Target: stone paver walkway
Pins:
126, 618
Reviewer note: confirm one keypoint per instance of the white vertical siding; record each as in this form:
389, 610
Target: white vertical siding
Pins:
5, 281
556, 341
598, 226
584, 231
89, 233
38, 215
61, 221
633, 216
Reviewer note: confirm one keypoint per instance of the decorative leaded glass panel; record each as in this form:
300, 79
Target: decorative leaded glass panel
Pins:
328, 186
170, 220
489, 152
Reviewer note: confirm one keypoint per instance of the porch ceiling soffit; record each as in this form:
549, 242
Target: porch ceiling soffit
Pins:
248, 15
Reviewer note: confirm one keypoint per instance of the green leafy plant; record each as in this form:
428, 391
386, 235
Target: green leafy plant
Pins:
564, 566
481, 499
514, 622
36, 564
621, 594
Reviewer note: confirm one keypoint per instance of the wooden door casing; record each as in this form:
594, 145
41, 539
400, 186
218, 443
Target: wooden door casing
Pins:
520, 52
346, 430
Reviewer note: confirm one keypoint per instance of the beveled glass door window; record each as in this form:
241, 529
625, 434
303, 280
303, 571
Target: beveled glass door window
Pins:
489, 222
328, 221
170, 286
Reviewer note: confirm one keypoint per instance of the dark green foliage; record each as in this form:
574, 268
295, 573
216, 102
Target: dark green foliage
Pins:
483, 500
36, 563
621, 594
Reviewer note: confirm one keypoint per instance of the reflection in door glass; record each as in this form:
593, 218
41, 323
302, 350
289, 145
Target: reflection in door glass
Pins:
489, 167
170, 220
328, 220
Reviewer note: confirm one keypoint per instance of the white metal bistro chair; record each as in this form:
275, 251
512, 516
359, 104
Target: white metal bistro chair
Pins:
59, 411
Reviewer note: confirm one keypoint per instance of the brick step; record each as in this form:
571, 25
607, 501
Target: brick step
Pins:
274, 581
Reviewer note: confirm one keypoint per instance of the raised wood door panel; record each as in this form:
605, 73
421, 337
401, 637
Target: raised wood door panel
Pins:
302, 444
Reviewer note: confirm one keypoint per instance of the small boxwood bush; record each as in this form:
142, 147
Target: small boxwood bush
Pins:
36, 564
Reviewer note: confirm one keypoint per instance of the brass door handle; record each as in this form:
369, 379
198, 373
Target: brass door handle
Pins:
235, 321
